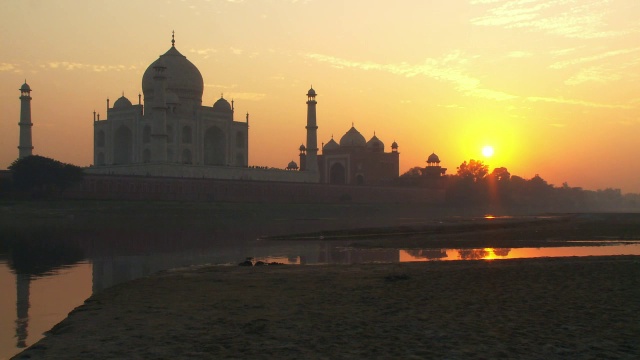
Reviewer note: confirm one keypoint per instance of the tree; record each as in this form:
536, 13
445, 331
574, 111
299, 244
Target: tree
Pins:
41, 175
413, 172
475, 170
501, 174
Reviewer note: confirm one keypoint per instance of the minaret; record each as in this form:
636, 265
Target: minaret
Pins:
25, 147
159, 111
312, 136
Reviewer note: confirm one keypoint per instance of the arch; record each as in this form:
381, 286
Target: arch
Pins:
146, 156
337, 174
122, 146
100, 138
359, 179
100, 159
146, 134
240, 140
214, 147
186, 156
186, 135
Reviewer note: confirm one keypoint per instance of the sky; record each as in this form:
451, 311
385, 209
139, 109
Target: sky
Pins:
552, 85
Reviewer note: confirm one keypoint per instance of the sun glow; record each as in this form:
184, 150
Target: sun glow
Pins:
487, 151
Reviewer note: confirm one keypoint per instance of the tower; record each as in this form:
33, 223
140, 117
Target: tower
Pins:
311, 163
25, 147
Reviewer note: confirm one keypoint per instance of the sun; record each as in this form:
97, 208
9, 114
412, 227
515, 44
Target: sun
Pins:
487, 151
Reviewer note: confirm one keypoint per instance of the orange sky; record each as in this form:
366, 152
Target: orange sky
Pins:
552, 85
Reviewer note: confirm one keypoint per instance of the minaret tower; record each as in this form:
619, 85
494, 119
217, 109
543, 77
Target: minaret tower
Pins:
312, 136
25, 147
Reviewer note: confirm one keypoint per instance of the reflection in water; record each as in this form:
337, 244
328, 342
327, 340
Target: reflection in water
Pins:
23, 282
31, 258
123, 258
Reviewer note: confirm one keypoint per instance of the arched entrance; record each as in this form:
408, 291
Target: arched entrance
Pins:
337, 174
122, 146
214, 147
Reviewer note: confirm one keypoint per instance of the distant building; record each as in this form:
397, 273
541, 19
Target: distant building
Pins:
433, 169
356, 161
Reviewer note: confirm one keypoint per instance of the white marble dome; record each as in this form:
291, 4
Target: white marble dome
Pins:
183, 78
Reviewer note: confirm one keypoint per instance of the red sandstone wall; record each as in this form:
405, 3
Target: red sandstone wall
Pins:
114, 187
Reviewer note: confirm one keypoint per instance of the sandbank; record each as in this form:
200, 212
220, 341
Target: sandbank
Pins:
583, 308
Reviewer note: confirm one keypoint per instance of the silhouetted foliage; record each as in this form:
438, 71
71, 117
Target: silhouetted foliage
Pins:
413, 172
41, 176
475, 170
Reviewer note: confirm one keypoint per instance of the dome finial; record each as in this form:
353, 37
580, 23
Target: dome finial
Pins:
173, 38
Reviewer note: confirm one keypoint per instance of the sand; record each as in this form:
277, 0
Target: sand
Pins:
585, 308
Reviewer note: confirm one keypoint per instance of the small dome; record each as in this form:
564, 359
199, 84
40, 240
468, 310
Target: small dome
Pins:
122, 102
222, 105
302, 148
331, 145
311, 92
375, 144
25, 87
292, 165
394, 145
433, 158
171, 98
353, 138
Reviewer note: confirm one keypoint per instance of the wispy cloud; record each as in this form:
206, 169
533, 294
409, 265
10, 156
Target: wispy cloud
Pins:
8, 67
447, 69
205, 53
592, 58
70, 66
561, 100
593, 74
576, 19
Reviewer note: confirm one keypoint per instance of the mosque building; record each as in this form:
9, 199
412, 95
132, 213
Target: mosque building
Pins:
355, 161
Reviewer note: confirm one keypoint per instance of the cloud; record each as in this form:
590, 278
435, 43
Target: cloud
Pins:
7, 67
205, 53
558, 125
586, 59
574, 19
236, 51
448, 69
592, 74
561, 100
70, 66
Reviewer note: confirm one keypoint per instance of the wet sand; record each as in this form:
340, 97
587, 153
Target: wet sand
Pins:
586, 308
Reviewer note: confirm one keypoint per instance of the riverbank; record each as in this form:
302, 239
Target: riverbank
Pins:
529, 309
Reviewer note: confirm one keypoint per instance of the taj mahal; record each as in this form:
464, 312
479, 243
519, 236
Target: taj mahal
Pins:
170, 133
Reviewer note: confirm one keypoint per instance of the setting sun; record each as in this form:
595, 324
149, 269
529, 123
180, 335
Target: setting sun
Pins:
487, 151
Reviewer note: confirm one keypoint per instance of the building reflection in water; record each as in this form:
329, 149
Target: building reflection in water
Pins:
31, 258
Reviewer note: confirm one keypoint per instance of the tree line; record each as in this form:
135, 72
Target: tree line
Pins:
474, 186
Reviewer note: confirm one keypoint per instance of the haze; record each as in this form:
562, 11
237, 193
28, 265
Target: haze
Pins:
553, 86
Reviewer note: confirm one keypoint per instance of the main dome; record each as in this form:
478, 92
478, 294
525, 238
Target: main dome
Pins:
183, 78
353, 138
